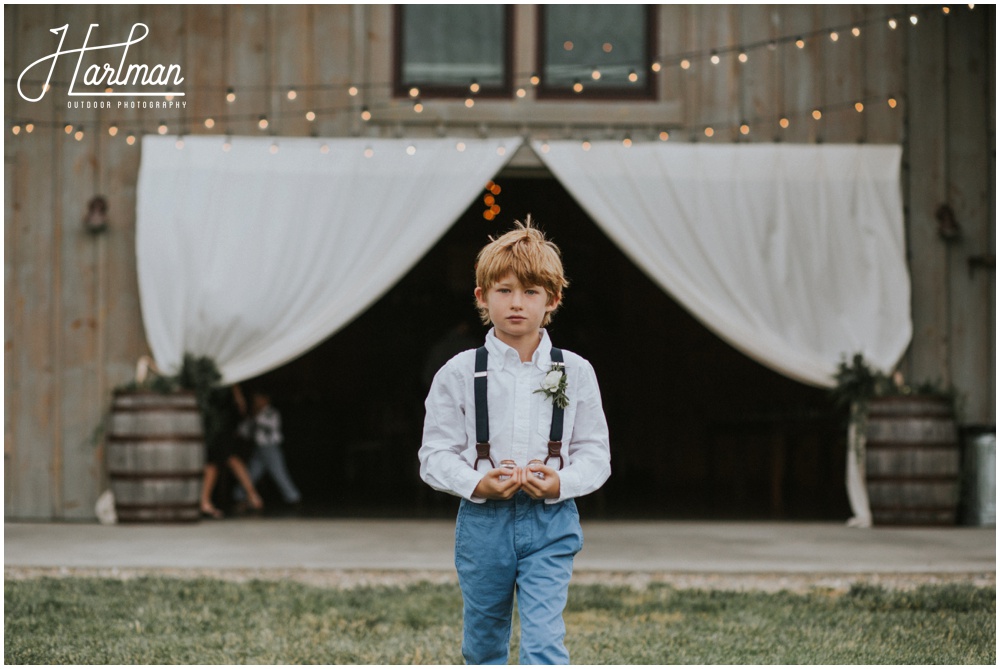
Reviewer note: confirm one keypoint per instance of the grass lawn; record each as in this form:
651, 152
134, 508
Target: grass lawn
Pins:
176, 621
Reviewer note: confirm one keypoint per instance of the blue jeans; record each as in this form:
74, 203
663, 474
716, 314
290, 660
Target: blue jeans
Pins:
520, 545
270, 459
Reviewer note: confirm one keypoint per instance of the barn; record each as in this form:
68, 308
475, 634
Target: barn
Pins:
298, 192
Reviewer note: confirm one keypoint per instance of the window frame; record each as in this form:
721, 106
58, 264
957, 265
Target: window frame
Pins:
545, 91
401, 89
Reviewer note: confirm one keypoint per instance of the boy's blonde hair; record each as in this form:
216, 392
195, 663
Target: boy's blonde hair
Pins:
525, 253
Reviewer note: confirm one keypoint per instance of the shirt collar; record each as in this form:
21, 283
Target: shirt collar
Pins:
501, 353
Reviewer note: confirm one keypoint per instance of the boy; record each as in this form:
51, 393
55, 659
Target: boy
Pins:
263, 427
517, 528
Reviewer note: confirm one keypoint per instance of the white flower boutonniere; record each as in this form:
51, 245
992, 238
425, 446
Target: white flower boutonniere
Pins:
554, 385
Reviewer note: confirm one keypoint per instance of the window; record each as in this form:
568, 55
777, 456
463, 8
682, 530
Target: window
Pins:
443, 49
596, 51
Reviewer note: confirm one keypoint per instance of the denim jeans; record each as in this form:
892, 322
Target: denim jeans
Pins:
520, 545
270, 459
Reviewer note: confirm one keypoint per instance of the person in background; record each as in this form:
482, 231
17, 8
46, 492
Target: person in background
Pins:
263, 427
223, 450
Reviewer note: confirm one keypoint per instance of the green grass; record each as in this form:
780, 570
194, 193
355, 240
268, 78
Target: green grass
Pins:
175, 621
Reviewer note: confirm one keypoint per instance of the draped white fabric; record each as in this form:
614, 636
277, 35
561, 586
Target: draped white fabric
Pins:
252, 257
794, 254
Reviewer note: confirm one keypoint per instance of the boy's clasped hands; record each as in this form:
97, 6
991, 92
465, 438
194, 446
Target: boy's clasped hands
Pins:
503, 483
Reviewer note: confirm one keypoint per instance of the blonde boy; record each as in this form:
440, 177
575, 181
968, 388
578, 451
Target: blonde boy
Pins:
517, 401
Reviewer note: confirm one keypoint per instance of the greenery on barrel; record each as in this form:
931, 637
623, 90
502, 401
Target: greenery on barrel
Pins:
201, 376
858, 384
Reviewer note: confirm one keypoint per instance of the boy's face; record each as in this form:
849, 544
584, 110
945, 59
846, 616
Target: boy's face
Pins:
516, 311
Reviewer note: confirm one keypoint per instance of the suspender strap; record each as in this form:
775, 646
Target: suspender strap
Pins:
556, 429
482, 410
483, 414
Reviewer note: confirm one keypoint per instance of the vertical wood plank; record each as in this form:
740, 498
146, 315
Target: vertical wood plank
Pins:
248, 67
292, 64
720, 83
969, 194
758, 77
204, 77
884, 76
11, 216
671, 43
927, 252
333, 55
840, 77
78, 405
32, 349
800, 70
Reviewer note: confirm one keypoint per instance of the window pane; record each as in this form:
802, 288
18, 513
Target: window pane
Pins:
450, 45
609, 38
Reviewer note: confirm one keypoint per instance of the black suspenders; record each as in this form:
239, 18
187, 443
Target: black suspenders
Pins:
483, 414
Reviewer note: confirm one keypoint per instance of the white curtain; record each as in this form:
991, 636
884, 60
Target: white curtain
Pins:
794, 254
251, 252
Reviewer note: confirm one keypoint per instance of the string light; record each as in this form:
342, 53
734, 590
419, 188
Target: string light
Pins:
892, 102
521, 92
655, 67
715, 58
310, 116
113, 130
585, 145
162, 129
744, 128
501, 150
834, 36
369, 152
577, 86
16, 129
469, 102
292, 94
627, 141
130, 140
353, 91
913, 19
595, 74
709, 131
607, 47
230, 95
273, 148
545, 147
474, 86
179, 144
664, 135
859, 106
946, 9
68, 128
783, 122
78, 135
418, 106
685, 64
892, 24
817, 114
29, 127
856, 31
799, 42
227, 145
262, 123
209, 123
567, 45
460, 147
534, 79
743, 57
414, 92
324, 148
632, 76
365, 114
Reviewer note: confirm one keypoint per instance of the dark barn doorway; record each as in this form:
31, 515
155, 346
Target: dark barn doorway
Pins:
698, 429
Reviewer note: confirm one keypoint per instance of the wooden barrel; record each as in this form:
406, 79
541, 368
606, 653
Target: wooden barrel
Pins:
912, 461
155, 456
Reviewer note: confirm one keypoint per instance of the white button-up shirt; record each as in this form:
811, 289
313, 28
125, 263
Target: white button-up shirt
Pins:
520, 420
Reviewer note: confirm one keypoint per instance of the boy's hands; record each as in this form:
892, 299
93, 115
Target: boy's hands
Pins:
523, 478
544, 488
491, 487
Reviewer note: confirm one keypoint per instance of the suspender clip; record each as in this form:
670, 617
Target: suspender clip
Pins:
555, 451
483, 453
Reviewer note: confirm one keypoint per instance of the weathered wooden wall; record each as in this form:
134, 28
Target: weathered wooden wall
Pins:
73, 328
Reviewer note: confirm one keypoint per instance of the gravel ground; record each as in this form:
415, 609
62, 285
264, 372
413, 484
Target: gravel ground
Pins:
800, 583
